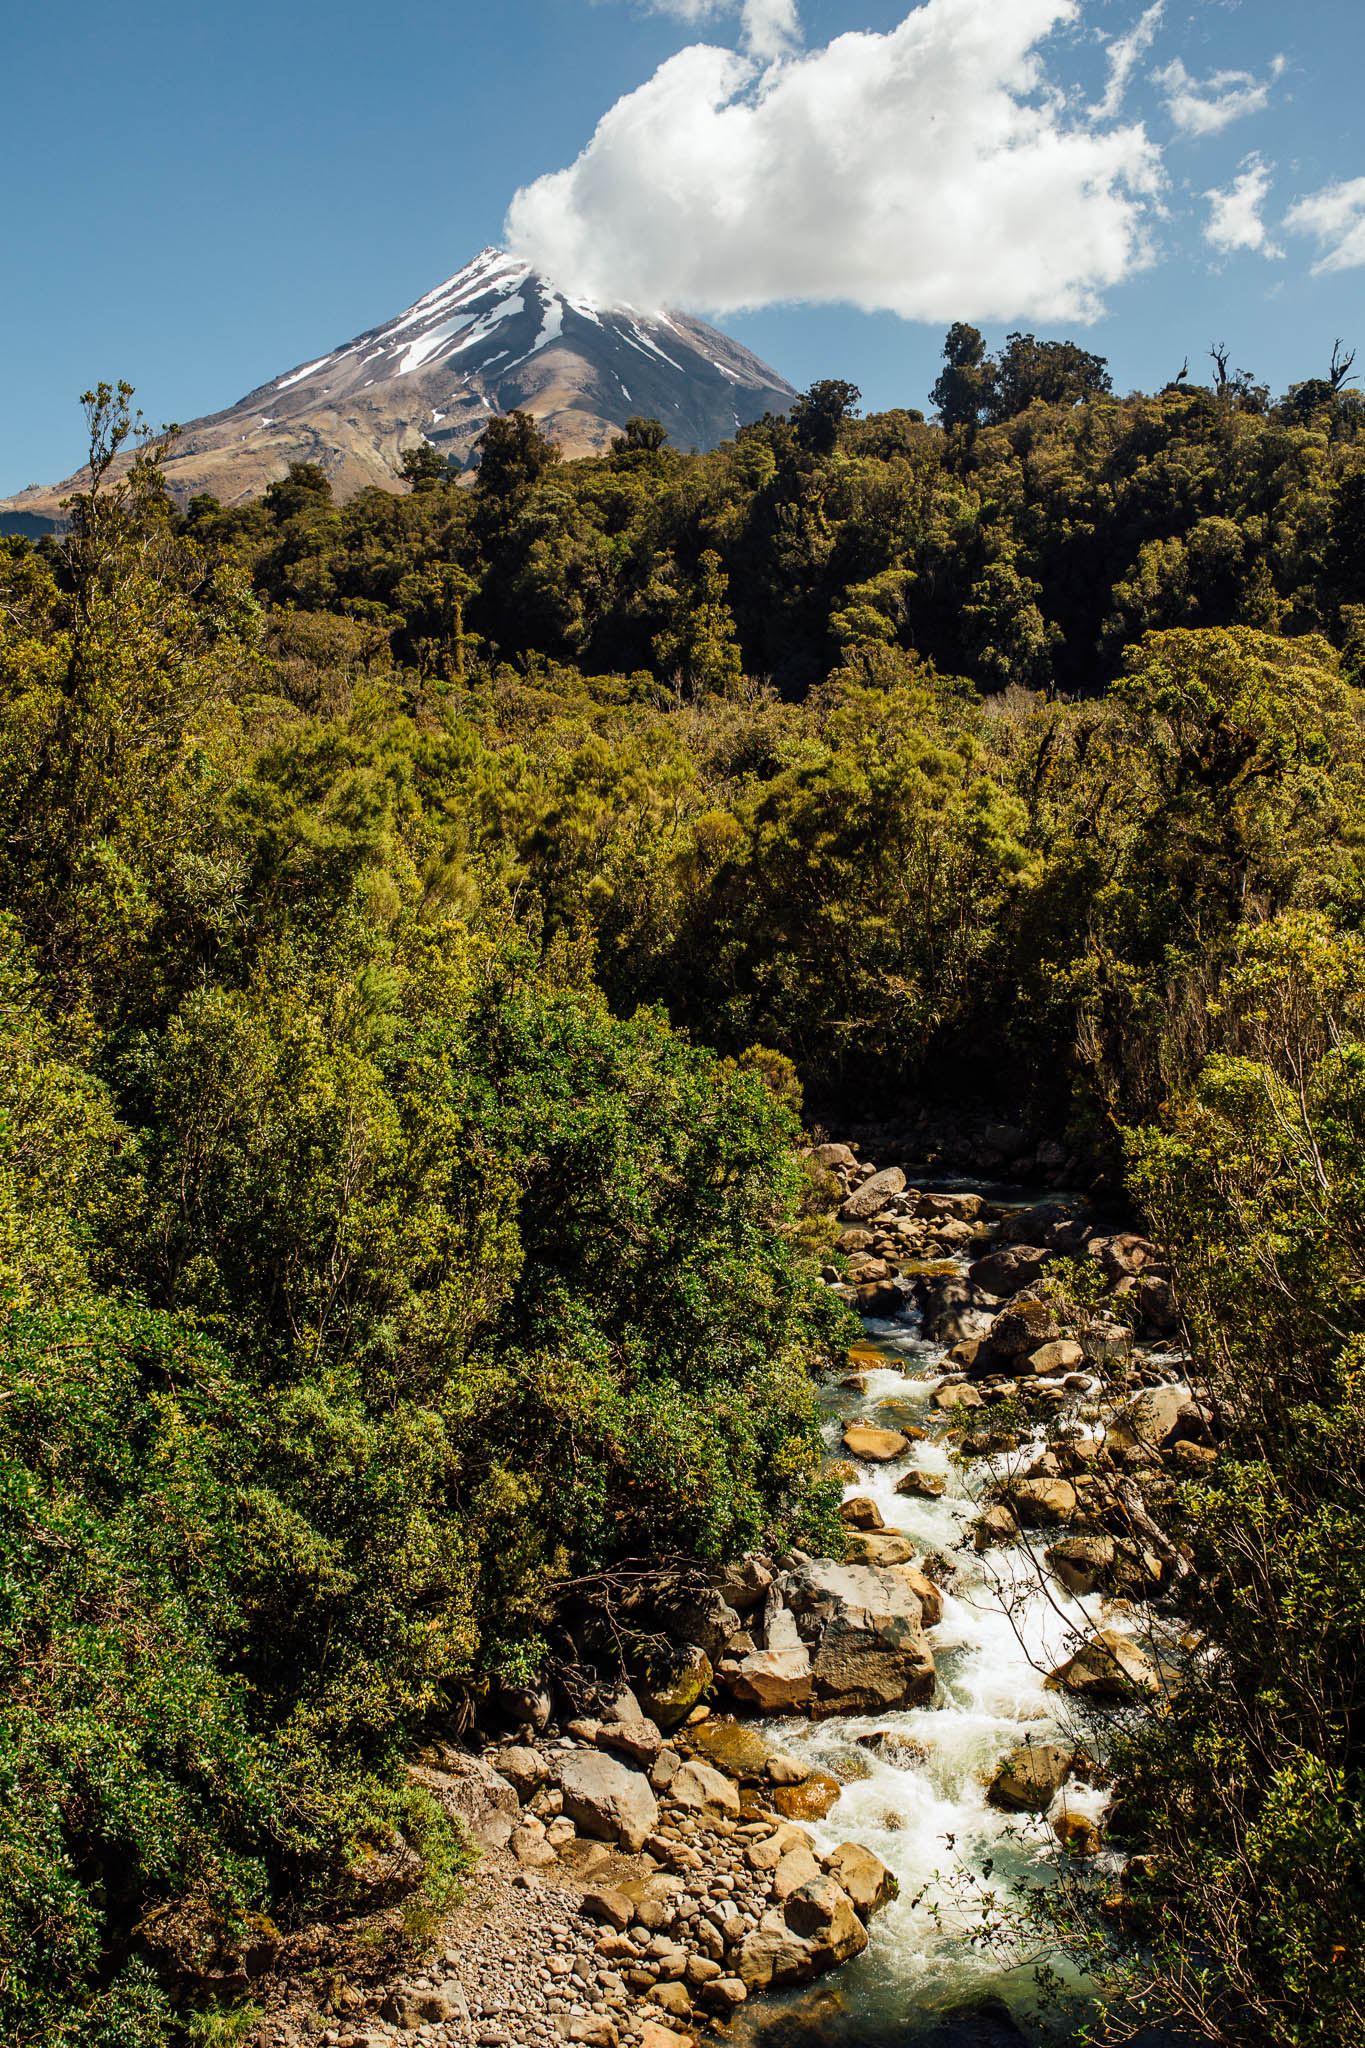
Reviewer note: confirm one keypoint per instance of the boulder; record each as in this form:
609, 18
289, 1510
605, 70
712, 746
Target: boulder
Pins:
774, 1956
1035, 1225
776, 1680
879, 1298
701, 1789
744, 1585
1081, 1562
734, 1747
1106, 1343
1077, 1834
957, 1394
865, 1628
1150, 1418
1109, 1667
796, 1868
481, 1799
670, 1695
782, 1769
607, 1800
532, 1851
875, 1446
611, 1908
995, 1526
699, 1615
1042, 1502
1021, 1328
638, 1740
953, 1309
882, 1547
872, 1195
1010, 1269
526, 1770
832, 1155
823, 1915
810, 1800
1062, 1355
929, 1595
861, 1513
1030, 1778
1125, 1255
863, 1876
918, 1485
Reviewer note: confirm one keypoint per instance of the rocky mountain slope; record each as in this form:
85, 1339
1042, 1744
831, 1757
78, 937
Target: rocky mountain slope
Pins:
494, 337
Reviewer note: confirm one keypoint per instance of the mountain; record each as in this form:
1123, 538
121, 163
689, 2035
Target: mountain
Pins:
494, 337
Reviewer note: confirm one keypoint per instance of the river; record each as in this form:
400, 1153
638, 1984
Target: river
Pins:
919, 1800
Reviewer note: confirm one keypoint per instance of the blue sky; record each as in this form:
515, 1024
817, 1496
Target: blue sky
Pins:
200, 198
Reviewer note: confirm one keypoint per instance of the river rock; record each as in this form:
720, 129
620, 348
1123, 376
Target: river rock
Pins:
958, 1394
670, 1696
863, 1876
1009, 1269
607, 1800
918, 1485
883, 1547
773, 1956
861, 1513
778, 1679
1062, 1355
832, 1155
639, 1740
1109, 1667
1150, 1418
1030, 1777
872, 1195
823, 1915
480, 1798
609, 1907
875, 1446
1081, 1562
929, 1595
995, 1526
702, 1789
743, 1585
734, 1747
526, 1770
866, 1631
1042, 1502
810, 1800
797, 1867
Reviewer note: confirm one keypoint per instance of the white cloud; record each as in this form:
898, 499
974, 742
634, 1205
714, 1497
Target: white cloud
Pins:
769, 27
1234, 220
932, 171
1203, 106
1125, 52
1336, 218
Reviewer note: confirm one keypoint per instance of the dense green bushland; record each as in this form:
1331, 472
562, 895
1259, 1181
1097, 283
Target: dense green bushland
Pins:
410, 915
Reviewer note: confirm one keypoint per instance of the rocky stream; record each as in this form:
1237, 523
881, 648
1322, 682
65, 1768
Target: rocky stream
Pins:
792, 1831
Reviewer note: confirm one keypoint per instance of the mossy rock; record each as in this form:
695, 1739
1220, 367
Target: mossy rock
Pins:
670, 1692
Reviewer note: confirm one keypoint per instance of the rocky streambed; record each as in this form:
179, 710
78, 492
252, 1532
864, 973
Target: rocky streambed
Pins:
790, 1822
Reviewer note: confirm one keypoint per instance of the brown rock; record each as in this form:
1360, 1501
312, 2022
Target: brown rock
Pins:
1109, 1667
995, 1526
918, 1485
876, 1446
863, 1876
1031, 1777
881, 1547
861, 1513
810, 1800
929, 1595
872, 1195
1042, 1502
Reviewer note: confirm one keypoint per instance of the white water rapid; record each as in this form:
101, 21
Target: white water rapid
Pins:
919, 1798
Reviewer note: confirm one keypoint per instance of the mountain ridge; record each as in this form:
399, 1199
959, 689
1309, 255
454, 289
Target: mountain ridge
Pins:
495, 337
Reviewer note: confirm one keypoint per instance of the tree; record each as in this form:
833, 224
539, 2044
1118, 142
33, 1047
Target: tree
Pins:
699, 647
642, 436
962, 391
1028, 371
304, 487
820, 412
513, 456
423, 467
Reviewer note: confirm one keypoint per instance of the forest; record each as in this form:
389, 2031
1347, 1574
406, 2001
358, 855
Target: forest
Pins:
431, 928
